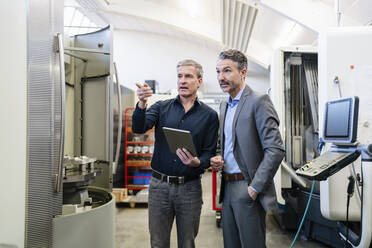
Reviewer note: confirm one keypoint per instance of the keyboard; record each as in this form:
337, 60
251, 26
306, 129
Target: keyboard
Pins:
327, 164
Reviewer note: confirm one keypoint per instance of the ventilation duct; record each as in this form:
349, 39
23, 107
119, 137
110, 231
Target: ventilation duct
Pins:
238, 19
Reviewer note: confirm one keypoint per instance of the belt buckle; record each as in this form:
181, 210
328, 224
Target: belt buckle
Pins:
180, 180
167, 179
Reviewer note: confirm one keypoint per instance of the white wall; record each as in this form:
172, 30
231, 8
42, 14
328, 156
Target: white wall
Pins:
258, 78
13, 107
144, 56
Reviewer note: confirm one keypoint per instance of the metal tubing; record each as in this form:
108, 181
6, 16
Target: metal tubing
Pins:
87, 50
62, 142
293, 175
120, 120
76, 56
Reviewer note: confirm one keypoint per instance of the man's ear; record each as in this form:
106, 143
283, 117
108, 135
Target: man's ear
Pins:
243, 72
200, 80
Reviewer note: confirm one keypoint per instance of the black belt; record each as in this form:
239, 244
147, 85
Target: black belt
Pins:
173, 179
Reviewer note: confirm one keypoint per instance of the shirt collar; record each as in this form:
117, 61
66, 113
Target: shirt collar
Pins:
233, 102
197, 101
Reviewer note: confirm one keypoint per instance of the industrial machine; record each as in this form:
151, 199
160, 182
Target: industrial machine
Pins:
78, 173
340, 129
348, 76
63, 136
91, 151
342, 66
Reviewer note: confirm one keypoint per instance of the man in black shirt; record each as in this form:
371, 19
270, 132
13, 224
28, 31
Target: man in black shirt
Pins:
175, 187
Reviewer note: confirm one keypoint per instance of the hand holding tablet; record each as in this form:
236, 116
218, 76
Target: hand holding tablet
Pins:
180, 143
178, 138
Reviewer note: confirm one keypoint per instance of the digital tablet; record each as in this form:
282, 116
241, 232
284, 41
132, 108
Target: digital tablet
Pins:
178, 138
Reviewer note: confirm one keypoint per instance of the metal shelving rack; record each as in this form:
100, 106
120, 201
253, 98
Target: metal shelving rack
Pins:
138, 158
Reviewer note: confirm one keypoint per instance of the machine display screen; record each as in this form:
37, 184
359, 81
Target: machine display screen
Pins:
341, 120
338, 119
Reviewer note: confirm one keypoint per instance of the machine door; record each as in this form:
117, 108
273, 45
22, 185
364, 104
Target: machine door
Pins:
97, 126
95, 99
45, 119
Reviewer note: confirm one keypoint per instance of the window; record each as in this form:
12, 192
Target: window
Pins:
76, 21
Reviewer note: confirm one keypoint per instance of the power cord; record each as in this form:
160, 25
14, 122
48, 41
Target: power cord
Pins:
357, 180
321, 144
320, 148
303, 217
350, 192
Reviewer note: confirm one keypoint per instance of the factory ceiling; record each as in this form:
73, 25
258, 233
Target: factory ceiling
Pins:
257, 27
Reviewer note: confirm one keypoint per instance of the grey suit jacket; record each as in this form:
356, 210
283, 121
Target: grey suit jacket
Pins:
257, 143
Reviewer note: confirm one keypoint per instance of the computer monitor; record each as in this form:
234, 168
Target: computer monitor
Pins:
152, 84
341, 120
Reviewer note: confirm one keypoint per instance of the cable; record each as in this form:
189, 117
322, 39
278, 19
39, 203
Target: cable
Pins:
303, 217
357, 180
321, 144
337, 81
350, 192
320, 148
347, 222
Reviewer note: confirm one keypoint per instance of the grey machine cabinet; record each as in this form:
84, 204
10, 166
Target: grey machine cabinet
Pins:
94, 102
39, 47
45, 120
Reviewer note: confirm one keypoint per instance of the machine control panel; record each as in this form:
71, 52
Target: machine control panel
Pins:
327, 164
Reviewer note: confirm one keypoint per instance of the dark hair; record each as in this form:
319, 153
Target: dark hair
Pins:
236, 56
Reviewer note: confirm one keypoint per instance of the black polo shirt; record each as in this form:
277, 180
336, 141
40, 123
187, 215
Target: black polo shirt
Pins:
202, 122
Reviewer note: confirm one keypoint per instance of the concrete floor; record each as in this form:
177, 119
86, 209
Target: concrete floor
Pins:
132, 227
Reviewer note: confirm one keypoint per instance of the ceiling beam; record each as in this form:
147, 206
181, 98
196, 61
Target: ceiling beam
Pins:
312, 15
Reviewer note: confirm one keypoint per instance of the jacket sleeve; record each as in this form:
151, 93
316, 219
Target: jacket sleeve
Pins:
267, 124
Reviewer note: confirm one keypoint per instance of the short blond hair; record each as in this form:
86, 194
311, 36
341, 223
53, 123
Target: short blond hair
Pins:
190, 62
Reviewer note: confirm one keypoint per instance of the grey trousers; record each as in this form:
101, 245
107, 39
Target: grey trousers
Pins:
168, 201
243, 220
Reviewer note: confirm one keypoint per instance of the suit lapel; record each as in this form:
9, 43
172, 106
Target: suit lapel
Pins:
245, 93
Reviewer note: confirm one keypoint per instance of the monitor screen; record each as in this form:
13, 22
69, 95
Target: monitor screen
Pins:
338, 119
341, 120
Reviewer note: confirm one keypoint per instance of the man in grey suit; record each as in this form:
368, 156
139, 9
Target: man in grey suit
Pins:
252, 150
